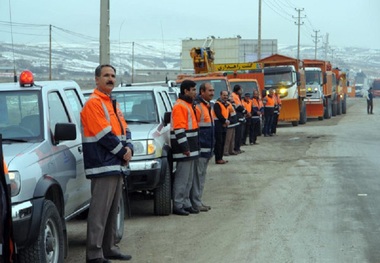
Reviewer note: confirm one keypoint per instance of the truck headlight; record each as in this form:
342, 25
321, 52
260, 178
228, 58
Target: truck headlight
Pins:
14, 178
143, 147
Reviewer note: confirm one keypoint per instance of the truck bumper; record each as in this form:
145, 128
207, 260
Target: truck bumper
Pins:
145, 175
290, 110
26, 221
314, 108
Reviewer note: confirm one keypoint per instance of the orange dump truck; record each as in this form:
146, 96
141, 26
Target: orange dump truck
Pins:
286, 75
319, 88
339, 103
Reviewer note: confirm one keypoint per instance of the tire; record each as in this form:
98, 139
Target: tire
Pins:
339, 107
334, 106
49, 246
344, 104
163, 193
120, 218
303, 117
328, 109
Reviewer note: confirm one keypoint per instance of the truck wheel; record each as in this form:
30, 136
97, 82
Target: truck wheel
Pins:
339, 107
162, 194
49, 246
334, 106
120, 218
344, 104
328, 109
303, 117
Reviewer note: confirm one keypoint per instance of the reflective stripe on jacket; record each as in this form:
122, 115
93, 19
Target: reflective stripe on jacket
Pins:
203, 112
257, 105
220, 114
184, 131
105, 135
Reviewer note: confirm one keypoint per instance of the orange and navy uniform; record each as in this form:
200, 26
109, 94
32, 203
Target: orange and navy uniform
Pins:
269, 103
184, 130
277, 103
203, 112
247, 105
239, 108
232, 115
220, 114
257, 106
105, 135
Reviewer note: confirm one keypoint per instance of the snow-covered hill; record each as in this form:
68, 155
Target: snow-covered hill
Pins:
79, 61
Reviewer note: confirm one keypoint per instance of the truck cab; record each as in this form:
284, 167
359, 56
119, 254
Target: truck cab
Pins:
40, 127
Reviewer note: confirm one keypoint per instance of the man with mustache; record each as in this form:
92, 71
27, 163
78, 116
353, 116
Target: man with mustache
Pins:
107, 149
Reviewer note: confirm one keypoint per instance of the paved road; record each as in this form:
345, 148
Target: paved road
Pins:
309, 194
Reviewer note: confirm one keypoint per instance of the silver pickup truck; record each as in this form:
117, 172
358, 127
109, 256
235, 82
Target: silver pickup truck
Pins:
40, 127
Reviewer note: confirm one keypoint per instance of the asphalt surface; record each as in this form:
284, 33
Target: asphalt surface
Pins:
309, 194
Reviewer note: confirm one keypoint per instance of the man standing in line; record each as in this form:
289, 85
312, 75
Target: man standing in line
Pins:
277, 108
221, 122
240, 113
185, 146
205, 120
107, 149
247, 103
268, 102
369, 98
257, 113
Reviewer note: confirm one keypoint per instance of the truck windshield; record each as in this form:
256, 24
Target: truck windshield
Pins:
313, 77
20, 115
137, 106
218, 84
248, 86
275, 78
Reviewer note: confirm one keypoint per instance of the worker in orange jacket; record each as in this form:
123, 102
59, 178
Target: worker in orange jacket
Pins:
185, 146
277, 108
257, 114
247, 103
107, 149
220, 114
268, 102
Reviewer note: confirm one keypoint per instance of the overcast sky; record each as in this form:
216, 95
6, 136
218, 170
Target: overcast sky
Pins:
348, 22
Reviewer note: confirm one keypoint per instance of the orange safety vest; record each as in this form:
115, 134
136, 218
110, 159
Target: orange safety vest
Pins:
236, 98
224, 111
247, 105
269, 102
184, 131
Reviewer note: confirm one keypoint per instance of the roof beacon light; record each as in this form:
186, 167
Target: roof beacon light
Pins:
26, 78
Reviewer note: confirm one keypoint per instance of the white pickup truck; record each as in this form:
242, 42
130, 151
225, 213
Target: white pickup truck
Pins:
40, 127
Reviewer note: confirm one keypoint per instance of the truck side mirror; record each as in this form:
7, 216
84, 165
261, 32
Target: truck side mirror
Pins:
324, 78
167, 118
64, 132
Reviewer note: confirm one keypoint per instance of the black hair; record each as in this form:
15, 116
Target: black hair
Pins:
187, 85
98, 69
237, 87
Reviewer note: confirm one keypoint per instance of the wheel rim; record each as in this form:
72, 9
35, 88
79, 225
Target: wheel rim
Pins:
51, 242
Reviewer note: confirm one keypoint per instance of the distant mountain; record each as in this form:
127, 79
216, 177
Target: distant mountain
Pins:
79, 61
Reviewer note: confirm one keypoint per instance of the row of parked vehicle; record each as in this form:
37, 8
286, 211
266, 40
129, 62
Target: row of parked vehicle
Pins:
41, 137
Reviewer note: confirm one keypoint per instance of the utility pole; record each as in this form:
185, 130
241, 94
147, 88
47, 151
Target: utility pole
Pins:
326, 45
49, 52
316, 42
299, 29
104, 38
259, 36
133, 60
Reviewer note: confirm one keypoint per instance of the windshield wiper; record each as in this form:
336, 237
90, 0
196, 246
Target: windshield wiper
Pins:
137, 121
14, 140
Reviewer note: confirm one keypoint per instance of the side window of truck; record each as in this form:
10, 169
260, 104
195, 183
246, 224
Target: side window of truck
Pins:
57, 111
75, 104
